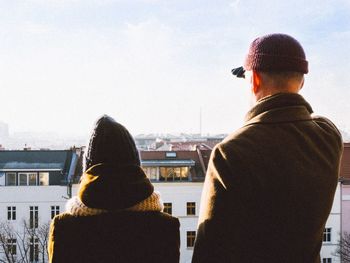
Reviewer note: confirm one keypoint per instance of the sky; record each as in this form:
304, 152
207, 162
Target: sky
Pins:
155, 65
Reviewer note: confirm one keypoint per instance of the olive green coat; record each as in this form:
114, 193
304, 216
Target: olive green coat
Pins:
270, 186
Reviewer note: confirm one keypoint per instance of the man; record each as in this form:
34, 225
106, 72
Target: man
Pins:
270, 185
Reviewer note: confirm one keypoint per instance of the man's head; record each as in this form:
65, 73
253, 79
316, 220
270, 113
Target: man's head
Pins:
274, 63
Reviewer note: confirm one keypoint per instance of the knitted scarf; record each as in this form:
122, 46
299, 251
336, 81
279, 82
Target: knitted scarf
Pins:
76, 207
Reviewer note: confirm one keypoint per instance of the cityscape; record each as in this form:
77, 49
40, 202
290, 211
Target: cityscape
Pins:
36, 182
163, 70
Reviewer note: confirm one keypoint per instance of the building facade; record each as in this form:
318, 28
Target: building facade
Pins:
179, 176
331, 234
34, 187
345, 184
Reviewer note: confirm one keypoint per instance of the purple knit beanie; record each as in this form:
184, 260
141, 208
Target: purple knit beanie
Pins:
274, 52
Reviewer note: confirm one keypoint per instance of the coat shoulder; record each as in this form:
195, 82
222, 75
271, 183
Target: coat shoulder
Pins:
329, 127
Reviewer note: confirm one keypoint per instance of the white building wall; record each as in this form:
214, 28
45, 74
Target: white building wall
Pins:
22, 197
179, 194
345, 208
333, 222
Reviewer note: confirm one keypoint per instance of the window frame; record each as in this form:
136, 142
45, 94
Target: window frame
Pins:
12, 246
27, 175
327, 235
174, 173
170, 154
35, 176
168, 208
33, 249
191, 208
152, 172
11, 213
6, 178
33, 217
46, 176
190, 238
55, 210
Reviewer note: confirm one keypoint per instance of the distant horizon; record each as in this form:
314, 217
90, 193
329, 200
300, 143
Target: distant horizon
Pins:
157, 133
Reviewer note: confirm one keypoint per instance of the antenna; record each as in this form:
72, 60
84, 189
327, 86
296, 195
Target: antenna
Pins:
200, 121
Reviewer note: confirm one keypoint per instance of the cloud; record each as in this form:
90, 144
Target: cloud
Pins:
153, 63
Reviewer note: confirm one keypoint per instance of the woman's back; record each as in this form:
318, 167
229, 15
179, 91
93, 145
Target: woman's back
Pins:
125, 236
116, 215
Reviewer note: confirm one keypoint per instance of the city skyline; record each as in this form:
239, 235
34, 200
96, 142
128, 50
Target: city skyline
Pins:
156, 66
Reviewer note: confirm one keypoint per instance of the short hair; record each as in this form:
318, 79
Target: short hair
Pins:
282, 78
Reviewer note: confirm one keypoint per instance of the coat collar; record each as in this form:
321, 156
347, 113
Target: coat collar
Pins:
281, 107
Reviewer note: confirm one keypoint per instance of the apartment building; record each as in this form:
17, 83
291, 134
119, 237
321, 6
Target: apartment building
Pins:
34, 187
179, 176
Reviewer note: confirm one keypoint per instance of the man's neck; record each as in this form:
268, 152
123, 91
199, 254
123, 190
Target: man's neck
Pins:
270, 92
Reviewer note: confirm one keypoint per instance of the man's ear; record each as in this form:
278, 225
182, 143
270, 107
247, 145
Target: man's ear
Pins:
256, 81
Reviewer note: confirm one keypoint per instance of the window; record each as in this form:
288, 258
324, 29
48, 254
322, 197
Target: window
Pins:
11, 213
10, 179
327, 260
11, 246
151, 172
33, 216
34, 250
170, 155
327, 235
168, 208
27, 178
191, 236
22, 179
44, 178
55, 210
174, 173
191, 208
32, 179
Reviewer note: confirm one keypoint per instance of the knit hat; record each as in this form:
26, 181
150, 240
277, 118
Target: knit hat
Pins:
113, 178
274, 52
111, 142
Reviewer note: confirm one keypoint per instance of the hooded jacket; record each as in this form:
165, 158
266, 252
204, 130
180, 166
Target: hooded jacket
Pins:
270, 186
116, 216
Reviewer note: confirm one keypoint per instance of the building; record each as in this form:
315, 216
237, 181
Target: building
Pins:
332, 230
179, 176
339, 219
169, 142
345, 188
34, 187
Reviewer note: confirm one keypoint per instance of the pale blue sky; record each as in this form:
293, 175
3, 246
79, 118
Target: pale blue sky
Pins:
152, 64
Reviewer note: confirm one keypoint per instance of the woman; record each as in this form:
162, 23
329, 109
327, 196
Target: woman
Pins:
116, 215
